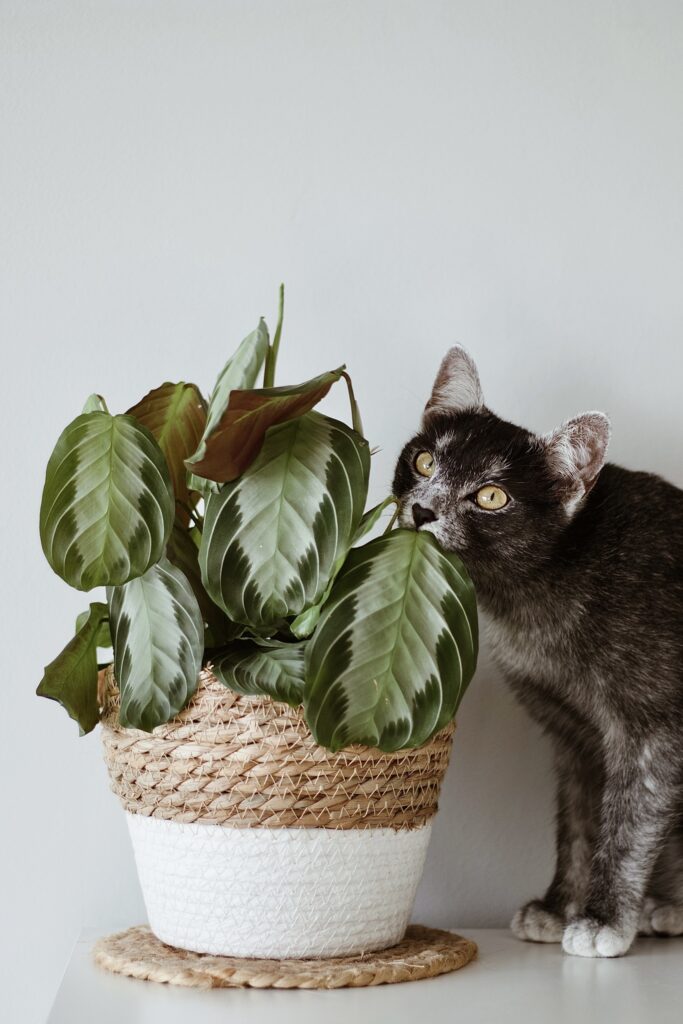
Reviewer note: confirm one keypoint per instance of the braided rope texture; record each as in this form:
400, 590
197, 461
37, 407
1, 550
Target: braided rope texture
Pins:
423, 953
251, 762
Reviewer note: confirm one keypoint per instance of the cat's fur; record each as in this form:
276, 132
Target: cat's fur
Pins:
581, 579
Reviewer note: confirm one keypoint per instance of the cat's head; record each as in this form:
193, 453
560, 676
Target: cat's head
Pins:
495, 493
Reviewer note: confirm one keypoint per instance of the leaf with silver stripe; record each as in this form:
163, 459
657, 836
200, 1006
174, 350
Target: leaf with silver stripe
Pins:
272, 539
263, 668
183, 552
304, 624
396, 645
158, 639
107, 506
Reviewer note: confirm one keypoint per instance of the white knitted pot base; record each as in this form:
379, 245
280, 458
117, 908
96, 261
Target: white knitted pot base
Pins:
277, 892
423, 953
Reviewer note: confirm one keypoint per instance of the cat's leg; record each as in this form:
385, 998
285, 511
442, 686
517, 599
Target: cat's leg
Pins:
544, 920
662, 912
639, 802
661, 919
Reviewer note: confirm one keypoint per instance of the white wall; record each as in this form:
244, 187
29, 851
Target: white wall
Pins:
507, 175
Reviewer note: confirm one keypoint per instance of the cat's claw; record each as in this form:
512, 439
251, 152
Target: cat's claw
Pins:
661, 919
534, 922
586, 937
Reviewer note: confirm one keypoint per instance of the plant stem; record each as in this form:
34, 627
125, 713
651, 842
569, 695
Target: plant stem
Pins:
274, 347
355, 411
393, 519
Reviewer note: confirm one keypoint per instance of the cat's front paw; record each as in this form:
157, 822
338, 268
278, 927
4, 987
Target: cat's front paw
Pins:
588, 937
535, 922
661, 919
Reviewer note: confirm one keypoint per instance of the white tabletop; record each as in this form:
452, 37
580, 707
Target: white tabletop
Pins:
511, 982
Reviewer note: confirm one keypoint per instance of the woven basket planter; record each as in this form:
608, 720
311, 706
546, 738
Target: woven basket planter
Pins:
252, 841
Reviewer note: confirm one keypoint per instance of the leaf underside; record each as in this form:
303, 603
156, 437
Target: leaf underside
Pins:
107, 505
395, 647
71, 679
266, 669
158, 639
237, 438
176, 415
273, 539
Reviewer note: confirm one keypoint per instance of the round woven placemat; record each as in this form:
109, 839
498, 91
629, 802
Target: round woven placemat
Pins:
424, 953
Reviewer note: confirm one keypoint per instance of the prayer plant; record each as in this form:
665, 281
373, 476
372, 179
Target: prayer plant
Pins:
229, 533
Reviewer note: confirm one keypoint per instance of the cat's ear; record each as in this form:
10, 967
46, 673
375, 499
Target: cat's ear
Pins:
457, 386
576, 454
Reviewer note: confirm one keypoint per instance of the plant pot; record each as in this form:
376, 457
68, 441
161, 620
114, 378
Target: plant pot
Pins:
252, 841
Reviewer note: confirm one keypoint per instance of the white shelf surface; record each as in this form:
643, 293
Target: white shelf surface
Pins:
511, 982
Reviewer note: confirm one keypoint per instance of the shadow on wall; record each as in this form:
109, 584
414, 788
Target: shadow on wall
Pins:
493, 844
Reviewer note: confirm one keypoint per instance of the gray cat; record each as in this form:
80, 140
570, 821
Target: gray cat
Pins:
578, 565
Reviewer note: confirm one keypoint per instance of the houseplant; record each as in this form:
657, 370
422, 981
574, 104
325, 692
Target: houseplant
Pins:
278, 713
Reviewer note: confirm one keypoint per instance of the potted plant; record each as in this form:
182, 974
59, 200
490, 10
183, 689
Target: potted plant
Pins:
277, 717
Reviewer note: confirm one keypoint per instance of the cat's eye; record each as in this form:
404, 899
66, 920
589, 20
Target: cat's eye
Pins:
491, 497
424, 463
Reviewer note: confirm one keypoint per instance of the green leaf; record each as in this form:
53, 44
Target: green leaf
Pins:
158, 644
183, 552
371, 518
240, 371
396, 645
260, 668
304, 624
201, 485
107, 506
272, 539
176, 415
236, 440
103, 638
95, 403
71, 679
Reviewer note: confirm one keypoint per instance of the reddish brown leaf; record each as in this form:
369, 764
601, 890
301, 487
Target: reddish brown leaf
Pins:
176, 415
237, 438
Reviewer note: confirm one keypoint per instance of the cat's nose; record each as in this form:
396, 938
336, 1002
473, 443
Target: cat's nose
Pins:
422, 515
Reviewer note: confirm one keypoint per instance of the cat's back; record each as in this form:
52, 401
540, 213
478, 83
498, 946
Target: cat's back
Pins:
630, 513
624, 549
612, 595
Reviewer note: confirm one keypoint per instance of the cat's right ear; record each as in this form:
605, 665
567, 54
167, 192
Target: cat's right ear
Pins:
457, 387
576, 453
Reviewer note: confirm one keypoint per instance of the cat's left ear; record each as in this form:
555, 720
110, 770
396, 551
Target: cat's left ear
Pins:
576, 454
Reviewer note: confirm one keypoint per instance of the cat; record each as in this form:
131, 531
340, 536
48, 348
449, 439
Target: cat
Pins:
578, 567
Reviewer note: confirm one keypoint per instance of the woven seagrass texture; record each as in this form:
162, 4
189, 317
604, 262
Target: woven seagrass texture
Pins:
249, 762
423, 953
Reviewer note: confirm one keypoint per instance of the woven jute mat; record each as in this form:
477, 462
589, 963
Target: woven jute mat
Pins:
424, 953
